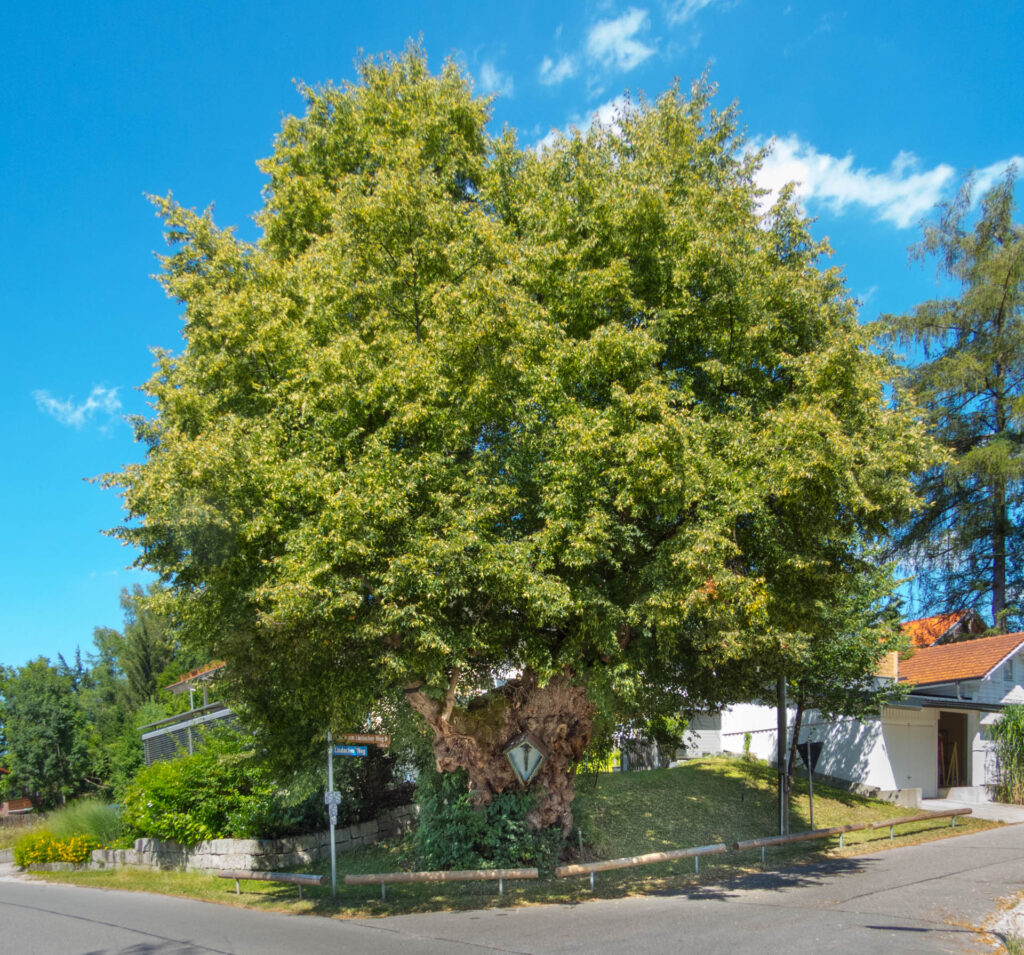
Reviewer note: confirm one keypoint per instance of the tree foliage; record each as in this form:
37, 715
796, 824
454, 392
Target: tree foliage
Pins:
467, 409
967, 546
68, 729
47, 743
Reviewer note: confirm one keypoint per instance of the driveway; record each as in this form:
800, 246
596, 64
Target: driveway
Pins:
998, 811
926, 898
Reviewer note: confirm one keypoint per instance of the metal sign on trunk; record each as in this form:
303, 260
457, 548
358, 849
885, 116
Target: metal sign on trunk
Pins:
525, 754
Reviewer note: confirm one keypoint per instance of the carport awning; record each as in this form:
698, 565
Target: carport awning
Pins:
952, 703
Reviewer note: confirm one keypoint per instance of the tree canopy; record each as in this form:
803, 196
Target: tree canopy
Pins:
44, 729
468, 409
967, 546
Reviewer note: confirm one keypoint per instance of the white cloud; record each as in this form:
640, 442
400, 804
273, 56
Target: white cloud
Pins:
101, 401
606, 114
680, 11
902, 194
552, 73
614, 42
985, 179
492, 80
548, 140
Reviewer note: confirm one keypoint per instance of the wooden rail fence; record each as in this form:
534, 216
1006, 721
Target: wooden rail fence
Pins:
590, 868
442, 875
295, 878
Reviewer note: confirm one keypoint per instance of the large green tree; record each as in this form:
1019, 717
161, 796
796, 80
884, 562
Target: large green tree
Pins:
45, 732
127, 671
967, 546
524, 435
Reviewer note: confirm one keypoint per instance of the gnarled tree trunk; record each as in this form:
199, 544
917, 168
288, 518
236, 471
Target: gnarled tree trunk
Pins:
474, 737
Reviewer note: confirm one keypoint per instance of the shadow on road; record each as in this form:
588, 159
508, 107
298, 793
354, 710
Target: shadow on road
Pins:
813, 873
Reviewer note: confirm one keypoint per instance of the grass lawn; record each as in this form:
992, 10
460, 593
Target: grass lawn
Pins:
619, 814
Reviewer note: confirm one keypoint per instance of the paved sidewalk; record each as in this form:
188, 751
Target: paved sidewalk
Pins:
1000, 812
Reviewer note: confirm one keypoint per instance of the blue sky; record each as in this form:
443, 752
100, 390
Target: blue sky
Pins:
875, 108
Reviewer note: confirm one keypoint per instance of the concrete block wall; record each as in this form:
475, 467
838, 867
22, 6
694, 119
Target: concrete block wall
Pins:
256, 854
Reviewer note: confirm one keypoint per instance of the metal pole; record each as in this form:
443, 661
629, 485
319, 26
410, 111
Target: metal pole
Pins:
782, 727
333, 815
810, 783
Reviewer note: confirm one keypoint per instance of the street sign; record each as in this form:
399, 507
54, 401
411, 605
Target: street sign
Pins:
332, 798
348, 750
374, 739
809, 753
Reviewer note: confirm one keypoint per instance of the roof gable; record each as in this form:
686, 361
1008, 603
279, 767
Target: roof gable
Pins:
968, 660
928, 631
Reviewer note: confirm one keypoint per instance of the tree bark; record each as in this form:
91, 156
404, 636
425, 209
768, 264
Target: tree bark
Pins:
475, 736
1001, 523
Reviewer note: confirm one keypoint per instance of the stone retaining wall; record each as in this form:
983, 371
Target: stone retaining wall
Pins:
257, 854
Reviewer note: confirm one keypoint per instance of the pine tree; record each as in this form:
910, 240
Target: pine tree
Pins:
966, 546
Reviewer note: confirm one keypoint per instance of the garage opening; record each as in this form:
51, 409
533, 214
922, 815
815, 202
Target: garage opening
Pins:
952, 750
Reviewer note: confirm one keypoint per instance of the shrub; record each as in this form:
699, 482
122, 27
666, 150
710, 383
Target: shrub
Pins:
452, 834
220, 791
86, 817
1008, 734
41, 846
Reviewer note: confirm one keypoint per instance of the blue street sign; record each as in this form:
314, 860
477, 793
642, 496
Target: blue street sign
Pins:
348, 750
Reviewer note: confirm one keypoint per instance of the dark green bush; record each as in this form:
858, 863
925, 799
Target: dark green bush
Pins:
221, 791
452, 834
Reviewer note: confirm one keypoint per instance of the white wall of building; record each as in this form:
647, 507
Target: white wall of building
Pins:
760, 722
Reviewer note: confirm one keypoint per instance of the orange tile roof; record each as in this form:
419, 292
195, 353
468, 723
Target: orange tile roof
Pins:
925, 631
969, 660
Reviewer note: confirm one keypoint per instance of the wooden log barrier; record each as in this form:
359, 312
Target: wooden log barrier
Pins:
604, 865
442, 875
295, 878
797, 837
920, 817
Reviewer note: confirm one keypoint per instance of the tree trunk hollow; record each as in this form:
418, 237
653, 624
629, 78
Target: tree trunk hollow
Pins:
475, 736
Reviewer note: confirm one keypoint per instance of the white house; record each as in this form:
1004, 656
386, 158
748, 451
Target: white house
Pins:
931, 742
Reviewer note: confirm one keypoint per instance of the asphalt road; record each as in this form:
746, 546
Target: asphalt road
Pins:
927, 898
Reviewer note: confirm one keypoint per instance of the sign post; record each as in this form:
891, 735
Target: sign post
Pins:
783, 753
809, 753
332, 799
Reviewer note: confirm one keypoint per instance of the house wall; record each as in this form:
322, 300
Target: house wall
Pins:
890, 754
703, 736
759, 721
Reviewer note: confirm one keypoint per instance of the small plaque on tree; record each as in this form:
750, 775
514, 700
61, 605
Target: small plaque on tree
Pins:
525, 754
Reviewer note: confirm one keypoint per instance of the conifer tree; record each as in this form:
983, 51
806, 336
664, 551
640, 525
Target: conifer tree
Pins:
966, 546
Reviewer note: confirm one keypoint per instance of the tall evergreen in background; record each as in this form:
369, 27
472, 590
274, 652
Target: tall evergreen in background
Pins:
966, 546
